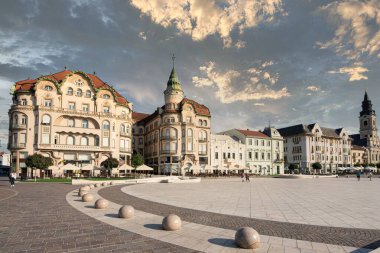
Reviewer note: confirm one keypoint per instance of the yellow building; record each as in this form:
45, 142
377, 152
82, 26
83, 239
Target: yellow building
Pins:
70, 116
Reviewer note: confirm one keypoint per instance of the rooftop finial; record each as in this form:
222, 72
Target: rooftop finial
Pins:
269, 123
173, 59
65, 67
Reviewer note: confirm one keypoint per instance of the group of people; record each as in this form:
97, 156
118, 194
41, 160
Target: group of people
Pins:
245, 177
358, 174
12, 178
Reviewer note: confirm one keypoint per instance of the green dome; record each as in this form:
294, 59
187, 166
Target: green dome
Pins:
173, 81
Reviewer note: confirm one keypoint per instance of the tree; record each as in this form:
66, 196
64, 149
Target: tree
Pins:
316, 166
137, 160
110, 163
378, 165
292, 167
38, 161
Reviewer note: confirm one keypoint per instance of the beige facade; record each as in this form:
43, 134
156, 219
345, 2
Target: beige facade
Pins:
70, 116
359, 155
175, 138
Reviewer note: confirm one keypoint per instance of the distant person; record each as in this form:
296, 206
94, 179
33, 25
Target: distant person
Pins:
370, 176
358, 175
247, 178
13, 179
242, 177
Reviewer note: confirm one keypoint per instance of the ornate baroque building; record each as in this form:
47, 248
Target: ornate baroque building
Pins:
307, 144
367, 136
177, 135
70, 116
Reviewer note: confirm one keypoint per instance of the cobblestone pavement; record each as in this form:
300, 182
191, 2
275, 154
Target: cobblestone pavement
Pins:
39, 219
365, 238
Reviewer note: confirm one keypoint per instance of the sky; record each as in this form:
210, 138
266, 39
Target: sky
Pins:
250, 62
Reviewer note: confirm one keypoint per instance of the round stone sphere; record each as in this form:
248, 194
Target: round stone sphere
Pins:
126, 212
247, 238
101, 204
104, 184
82, 192
85, 188
171, 222
92, 186
98, 184
87, 197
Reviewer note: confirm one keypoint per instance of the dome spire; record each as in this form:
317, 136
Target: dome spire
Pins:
173, 81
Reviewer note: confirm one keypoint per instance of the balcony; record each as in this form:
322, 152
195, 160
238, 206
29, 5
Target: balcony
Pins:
67, 147
125, 149
17, 145
19, 126
202, 152
278, 161
169, 137
125, 134
168, 152
202, 139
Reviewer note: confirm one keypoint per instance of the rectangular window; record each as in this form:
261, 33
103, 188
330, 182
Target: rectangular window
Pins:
48, 103
71, 106
250, 155
45, 138
241, 156
85, 123
105, 142
233, 155
216, 155
106, 109
140, 141
257, 155
249, 141
268, 156
23, 102
85, 107
189, 146
22, 138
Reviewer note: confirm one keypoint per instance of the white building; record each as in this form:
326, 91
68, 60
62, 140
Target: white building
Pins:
263, 150
308, 144
5, 159
227, 152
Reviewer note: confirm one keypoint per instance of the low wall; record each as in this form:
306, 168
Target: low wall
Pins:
300, 176
164, 179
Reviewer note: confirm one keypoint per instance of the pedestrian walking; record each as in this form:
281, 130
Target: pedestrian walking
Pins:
358, 175
242, 177
247, 177
370, 176
13, 179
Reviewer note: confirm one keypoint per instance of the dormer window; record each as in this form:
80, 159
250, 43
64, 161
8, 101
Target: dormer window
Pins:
79, 82
48, 88
106, 96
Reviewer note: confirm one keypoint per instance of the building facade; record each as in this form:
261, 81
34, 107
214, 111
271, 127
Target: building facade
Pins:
176, 136
227, 152
367, 136
263, 150
308, 144
70, 116
359, 155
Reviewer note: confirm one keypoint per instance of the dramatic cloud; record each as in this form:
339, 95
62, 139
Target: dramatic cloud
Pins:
253, 84
358, 30
355, 73
313, 88
199, 18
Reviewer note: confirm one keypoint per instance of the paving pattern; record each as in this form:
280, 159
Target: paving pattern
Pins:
39, 219
364, 238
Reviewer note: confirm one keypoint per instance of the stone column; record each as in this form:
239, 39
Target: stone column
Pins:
17, 162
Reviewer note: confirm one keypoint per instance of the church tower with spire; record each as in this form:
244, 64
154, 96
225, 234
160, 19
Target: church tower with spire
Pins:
367, 119
173, 92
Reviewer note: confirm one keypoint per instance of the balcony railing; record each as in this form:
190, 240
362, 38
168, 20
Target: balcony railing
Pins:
202, 152
202, 139
73, 147
278, 161
168, 152
169, 137
18, 126
17, 145
125, 134
125, 149
82, 113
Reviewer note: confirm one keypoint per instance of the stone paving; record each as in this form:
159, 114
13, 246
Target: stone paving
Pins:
366, 238
39, 220
332, 202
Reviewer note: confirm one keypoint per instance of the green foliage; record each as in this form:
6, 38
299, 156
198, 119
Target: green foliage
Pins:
378, 165
372, 165
316, 166
137, 160
110, 163
293, 167
37, 161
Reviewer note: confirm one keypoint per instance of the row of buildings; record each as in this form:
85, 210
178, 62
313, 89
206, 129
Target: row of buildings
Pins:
75, 117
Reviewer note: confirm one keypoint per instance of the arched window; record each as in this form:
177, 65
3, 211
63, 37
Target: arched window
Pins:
48, 88
46, 119
16, 119
127, 127
202, 135
97, 140
106, 125
122, 128
84, 141
56, 139
88, 93
205, 123
365, 123
70, 140
79, 92
200, 122
167, 132
189, 132
85, 123
70, 91
123, 114
23, 120
106, 96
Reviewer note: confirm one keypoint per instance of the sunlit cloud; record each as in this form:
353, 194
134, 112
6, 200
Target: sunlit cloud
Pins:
199, 18
313, 88
355, 73
255, 83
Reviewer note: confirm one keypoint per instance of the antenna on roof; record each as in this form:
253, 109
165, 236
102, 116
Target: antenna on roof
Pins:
269, 123
173, 59
94, 73
65, 67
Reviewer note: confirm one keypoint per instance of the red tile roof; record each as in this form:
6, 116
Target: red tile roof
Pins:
137, 116
253, 133
356, 147
199, 108
28, 84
